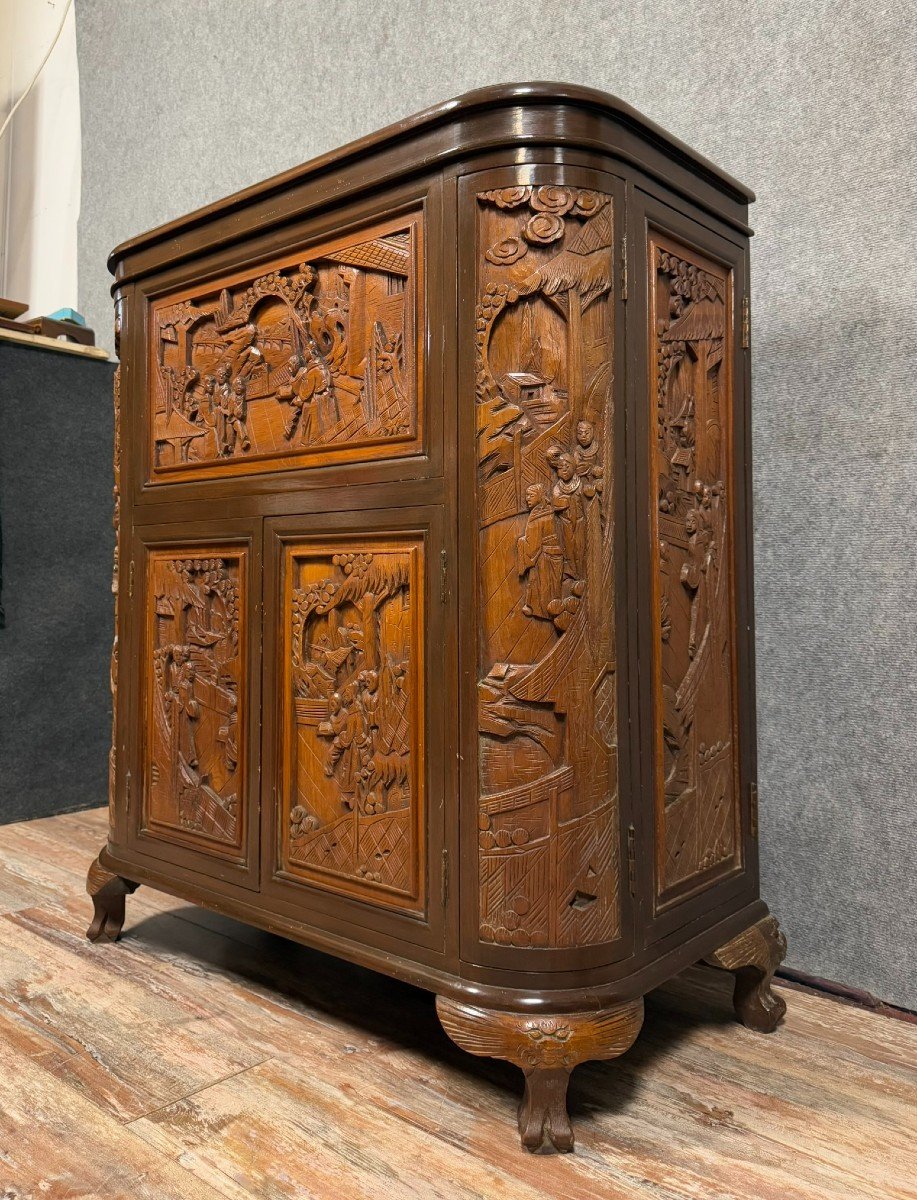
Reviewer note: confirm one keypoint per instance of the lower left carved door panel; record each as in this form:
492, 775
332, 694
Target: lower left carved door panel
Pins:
192, 792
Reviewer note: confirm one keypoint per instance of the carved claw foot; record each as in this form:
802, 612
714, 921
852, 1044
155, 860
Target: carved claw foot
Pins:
547, 1048
108, 893
543, 1116
753, 957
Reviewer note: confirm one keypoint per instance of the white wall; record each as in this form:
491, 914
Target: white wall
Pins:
39, 157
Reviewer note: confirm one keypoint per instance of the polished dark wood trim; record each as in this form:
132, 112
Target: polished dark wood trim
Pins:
506, 102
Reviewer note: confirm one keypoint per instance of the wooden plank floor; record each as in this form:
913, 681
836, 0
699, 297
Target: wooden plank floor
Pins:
199, 1058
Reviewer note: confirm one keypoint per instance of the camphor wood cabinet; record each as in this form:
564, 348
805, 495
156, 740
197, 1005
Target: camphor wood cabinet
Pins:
434, 636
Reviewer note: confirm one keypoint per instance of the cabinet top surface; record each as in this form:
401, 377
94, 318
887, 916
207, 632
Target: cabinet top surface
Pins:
517, 114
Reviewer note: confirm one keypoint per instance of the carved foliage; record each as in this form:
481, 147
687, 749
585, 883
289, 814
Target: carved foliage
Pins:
194, 775
353, 796
548, 832
697, 790
310, 360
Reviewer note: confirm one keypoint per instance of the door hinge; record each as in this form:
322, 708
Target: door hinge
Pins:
753, 808
444, 877
443, 577
632, 859
127, 793
624, 267
746, 323
130, 579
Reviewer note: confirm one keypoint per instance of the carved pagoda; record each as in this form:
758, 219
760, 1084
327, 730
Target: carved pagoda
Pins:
434, 596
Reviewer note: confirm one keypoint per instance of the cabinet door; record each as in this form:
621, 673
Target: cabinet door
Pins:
310, 358
546, 752
194, 629
354, 741
694, 471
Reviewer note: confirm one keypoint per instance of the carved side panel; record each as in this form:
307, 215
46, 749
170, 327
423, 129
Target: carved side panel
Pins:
307, 362
697, 823
548, 811
194, 789
353, 804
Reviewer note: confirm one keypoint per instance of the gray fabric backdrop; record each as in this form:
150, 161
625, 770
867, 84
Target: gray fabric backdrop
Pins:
56, 425
808, 101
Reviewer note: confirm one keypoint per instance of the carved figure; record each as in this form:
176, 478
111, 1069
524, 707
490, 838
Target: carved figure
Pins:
355, 689
299, 359
540, 555
547, 626
698, 790
567, 497
231, 407
309, 382
345, 727
586, 456
696, 567
186, 708
194, 760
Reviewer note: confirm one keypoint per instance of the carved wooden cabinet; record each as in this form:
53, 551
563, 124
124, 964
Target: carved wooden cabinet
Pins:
434, 637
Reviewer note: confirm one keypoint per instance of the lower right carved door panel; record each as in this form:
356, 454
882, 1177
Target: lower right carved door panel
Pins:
354, 738
353, 701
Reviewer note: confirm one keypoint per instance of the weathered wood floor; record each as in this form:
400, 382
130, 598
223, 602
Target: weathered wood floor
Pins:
199, 1058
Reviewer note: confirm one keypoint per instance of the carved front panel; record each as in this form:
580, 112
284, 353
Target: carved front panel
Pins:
691, 381
352, 812
304, 361
195, 702
548, 810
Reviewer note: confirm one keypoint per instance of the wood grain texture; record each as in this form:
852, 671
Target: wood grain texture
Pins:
353, 729
549, 841
691, 373
195, 695
203, 1059
299, 363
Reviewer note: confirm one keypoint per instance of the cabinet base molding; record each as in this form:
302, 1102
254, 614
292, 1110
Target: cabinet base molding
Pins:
753, 956
546, 1048
108, 894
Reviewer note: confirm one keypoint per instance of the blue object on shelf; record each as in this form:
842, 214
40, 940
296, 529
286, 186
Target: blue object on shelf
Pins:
68, 314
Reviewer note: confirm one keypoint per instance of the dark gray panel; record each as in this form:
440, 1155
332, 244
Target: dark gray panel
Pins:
55, 511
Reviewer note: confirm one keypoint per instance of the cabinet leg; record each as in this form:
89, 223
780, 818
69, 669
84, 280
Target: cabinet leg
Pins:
108, 893
753, 956
546, 1048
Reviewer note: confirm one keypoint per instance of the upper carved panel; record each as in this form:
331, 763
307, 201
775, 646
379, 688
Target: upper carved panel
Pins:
306, 362
194, 683
548, 810
697, 824
353, 796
